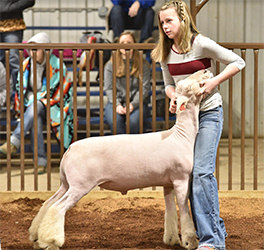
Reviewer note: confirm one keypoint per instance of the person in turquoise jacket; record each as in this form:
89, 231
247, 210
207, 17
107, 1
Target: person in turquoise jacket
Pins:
130, 14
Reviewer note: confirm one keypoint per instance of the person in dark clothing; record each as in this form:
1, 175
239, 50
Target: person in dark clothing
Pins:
131, 14
12, 27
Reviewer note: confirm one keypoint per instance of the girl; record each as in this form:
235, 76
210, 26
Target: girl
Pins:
181, 51
126, 38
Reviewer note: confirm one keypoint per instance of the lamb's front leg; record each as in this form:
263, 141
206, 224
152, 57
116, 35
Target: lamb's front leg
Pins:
188, 236
171, 234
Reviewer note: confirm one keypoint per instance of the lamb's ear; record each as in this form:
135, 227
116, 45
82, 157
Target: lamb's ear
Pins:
181, 103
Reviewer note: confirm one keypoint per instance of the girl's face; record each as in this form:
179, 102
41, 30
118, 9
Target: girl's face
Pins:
170, 23
126, 39
40, 55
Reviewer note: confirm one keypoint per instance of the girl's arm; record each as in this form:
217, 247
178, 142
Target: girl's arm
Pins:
218, 53
209, 84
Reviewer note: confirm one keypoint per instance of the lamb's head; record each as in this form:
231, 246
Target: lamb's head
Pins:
188, 88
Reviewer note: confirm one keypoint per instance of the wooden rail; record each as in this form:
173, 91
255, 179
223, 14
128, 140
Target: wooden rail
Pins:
243, 47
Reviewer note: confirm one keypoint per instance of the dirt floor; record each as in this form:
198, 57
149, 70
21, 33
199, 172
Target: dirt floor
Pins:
128, 223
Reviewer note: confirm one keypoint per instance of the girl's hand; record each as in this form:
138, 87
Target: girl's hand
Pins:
173, 103
120, 110
207, 87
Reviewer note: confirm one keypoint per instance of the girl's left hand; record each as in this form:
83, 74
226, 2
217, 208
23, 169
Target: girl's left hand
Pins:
207, 87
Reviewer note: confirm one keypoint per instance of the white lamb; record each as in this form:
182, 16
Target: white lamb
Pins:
126, 162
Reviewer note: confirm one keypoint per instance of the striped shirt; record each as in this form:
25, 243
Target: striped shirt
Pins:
203, 54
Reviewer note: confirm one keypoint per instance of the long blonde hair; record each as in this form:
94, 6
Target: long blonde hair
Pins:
120, 65
186, 31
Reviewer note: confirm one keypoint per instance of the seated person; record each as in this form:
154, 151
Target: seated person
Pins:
28, 82
131, 14
126, 38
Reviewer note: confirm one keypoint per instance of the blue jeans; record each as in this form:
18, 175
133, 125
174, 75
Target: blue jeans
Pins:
29, 127
11, 37
121, 119
119, 21
204, 192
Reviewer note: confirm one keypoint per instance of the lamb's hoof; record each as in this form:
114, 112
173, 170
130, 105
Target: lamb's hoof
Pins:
171, 239
190, 242
50, 247
36, 245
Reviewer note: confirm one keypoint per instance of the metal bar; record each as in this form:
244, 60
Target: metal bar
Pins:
61, 9
154, 107
61, 105
112, 46
114, 90
75, 124
243, 45
230, 133
88, 103
243, 120
141, 100
154, 114
35, 152
101, 86
22, 134
84, 46
127, 92
48, 122
66, 28
8, 121
256, 119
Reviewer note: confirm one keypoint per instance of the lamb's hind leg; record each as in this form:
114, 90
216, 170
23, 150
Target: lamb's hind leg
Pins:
171, 235
33, 230
51, 229
188, 236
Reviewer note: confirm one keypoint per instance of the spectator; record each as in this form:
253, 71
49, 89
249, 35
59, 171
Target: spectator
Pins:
28, 83
12, 27
126, 38
2, 85
131, 14
181, 51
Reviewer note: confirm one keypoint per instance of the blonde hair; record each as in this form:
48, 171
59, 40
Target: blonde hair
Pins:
186, 31
120, 65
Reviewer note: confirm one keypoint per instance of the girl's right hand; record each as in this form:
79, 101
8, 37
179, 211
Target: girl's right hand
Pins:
173, 103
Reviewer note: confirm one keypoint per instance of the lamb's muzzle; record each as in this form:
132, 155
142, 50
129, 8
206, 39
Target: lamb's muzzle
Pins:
125, 162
